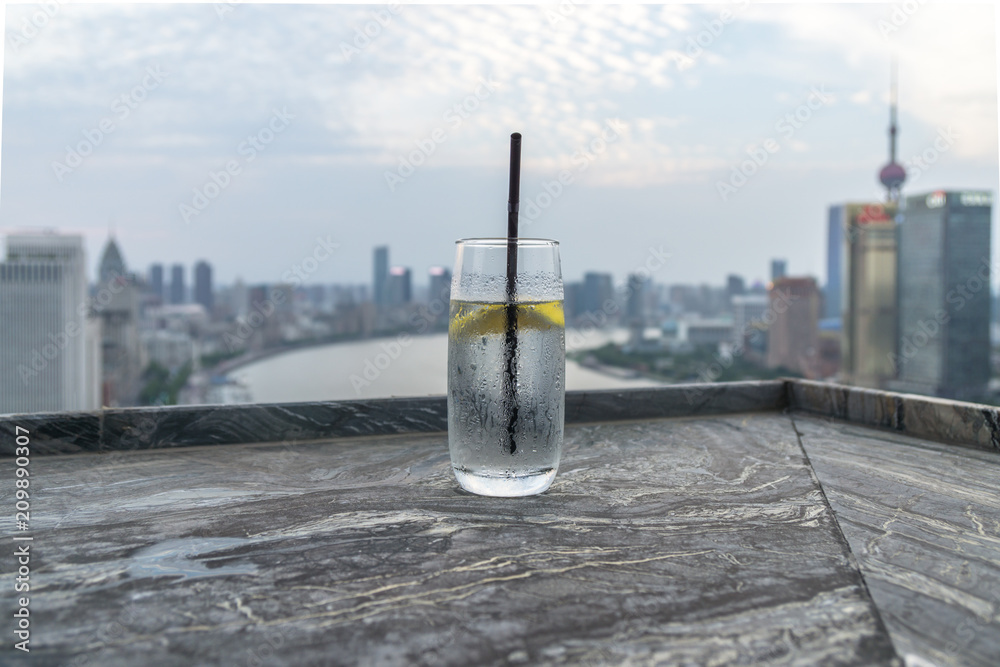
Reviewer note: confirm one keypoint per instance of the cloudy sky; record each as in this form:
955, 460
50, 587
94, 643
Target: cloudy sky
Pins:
371, 124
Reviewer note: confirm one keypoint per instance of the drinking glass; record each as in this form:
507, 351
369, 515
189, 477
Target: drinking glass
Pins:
506, 366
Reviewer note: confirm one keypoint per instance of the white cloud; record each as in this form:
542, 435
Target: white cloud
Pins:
555, 81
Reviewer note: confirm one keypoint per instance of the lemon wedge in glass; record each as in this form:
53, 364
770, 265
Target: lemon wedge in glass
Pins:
469, 319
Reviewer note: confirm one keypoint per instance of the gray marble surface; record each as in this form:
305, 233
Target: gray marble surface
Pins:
953, 422
676, 541
124, 429
52, 433
187, 426
923, 519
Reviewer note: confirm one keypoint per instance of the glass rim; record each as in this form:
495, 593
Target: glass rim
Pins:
502, 241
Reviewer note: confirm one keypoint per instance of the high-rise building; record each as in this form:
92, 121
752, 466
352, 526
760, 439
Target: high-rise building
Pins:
117, 305
635, 304
283, 297
438, 296
381, 275
439, 285
748, 315
865, 266
203, 286
112, 265
239, 298
572, 301
792, 337
398, 287
944, 295
156, 281
597, 291
177, 288
50, 357
834, 262
735, 286
266, 312
868, 330
636, 311
779, 268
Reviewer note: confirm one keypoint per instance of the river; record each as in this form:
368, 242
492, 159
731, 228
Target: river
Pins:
384, 367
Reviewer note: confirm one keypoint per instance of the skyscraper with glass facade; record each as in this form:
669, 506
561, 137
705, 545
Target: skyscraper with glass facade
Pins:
943, 347
868, 294
834, 262
381, 275
50, 355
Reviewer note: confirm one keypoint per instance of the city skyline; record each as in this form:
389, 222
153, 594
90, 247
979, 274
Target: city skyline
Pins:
153, 348
662, 85
299, 277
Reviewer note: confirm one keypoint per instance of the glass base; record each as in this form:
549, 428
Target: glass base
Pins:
505, 486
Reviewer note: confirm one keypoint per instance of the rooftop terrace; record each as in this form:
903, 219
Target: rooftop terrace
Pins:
783, 522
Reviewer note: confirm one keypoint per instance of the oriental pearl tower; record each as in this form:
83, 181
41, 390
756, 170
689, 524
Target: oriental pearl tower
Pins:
892, 175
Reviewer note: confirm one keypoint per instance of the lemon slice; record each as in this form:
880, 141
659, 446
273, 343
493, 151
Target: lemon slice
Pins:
472, 320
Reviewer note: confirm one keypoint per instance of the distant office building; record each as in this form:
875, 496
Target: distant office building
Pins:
398, 288
779, 268
266, 309
156, 281
239, 298
748, 315
597, 291
706, 300
50, 356
349, 295
189, 318
381, 276
318, 298
572, 301
834, 261
438, 296
168, 348
700, 331
177, 288
117, 304
793, 336
714, 300
439, 285
257, 298
203, 285
638, 289
868, 327
944, 295
636, 309
735, 286
828, 356
283, 297
750, 324
683, 299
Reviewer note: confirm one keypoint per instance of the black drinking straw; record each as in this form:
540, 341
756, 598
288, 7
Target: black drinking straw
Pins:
510, 340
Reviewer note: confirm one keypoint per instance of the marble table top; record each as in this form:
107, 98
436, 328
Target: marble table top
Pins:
923, 520
748, 538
